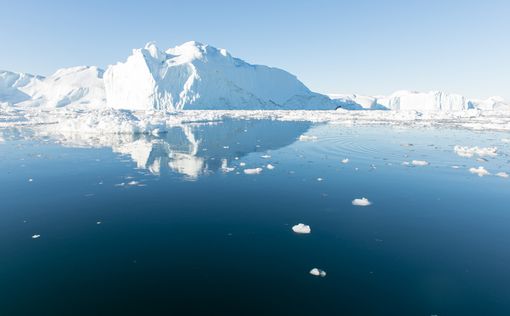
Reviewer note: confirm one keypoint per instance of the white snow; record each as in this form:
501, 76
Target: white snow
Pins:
253, 171
318, 272
361, 202
480, 171
301, 229
469, 152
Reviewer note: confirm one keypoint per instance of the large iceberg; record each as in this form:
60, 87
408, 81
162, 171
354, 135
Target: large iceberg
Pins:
81, 86
197, 76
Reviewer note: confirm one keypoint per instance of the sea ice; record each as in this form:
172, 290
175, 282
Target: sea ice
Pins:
35, 236
301, 229
361, 202
471, 151
480, 171
318, 272
270, 166
419, 163
253, 171
345, 160
502, 174
265, 156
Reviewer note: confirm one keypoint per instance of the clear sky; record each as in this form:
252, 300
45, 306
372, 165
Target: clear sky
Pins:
366, 47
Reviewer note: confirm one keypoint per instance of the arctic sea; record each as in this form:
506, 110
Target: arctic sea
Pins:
171, 224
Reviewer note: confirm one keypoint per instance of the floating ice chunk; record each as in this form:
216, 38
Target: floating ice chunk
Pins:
318, 272
406, 163
479, 151
319, 179
133, 183
226, 147
120, 184
307, 138
270, 166
455, 167
502, 174
480, 171
30, 180
155, 132
242, 164
253, 171
345, 160
224, 166
265, 156
301, 229
361, 202
35, 236
420, 163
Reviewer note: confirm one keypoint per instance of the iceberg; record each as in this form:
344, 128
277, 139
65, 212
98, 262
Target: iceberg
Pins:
301, 229
200, 76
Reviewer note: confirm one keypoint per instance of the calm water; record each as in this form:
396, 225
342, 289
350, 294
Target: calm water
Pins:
153, 225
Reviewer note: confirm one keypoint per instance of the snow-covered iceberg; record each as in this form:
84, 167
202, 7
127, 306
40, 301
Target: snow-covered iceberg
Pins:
80, 86
199, 76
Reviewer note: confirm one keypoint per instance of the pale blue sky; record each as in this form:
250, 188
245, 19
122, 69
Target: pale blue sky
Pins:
368, 47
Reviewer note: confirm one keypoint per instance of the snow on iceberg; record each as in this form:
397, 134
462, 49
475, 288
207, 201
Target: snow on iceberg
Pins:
16, 87
199, 76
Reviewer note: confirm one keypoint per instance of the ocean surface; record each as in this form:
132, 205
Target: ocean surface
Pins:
170, 224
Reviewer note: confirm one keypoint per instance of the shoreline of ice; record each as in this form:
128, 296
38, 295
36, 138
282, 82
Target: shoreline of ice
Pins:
112, 121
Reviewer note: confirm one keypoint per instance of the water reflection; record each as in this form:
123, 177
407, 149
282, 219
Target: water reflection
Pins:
190, 150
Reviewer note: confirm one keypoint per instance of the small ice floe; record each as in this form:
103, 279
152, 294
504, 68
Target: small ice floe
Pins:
479, 151
270, 166
361, 202
120, 184
480, 171
30, 180
98, 223
242, 164
307, 138
301, 229
319, 179
35, 236
455, 167
265, 156
133, 183
502, 174
253, 171
224, 166
318, 272
419, 163
406, 163
155, 132
226, 147
100, 182
236, 158
345, 160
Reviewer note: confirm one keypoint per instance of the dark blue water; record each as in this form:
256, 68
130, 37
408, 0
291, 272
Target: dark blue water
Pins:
187, 238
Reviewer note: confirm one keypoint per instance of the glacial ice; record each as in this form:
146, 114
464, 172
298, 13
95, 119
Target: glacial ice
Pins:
253, 171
